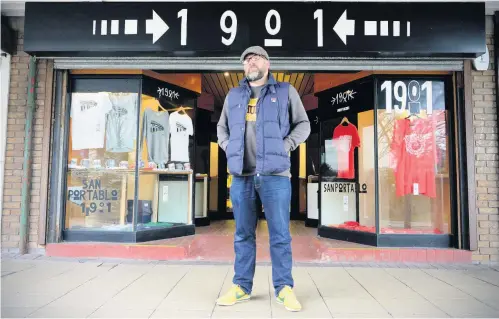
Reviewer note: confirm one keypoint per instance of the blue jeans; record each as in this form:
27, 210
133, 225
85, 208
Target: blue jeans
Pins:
275, 194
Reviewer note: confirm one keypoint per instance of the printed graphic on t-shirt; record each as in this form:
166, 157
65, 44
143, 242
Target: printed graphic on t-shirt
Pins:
251, 114
415, 144
156, 127
88, 114
87, 105
181, 129
345, 140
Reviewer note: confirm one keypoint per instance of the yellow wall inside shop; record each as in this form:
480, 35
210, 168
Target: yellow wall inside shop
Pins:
303, 159
213, 159
146, 182
365, 127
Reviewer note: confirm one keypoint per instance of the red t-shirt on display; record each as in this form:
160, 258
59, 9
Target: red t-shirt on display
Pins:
345, 139
414, 156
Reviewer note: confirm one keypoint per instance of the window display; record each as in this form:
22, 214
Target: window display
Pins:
404, 142
413, 157
347, 161
100, 160
102, 192
166, 178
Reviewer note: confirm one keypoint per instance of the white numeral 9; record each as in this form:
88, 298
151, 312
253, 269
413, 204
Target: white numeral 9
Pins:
232, 29
401, 98
270, 30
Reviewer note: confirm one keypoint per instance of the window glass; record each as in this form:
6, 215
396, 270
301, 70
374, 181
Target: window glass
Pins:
102, 144
166, 185
413, 157
347, 157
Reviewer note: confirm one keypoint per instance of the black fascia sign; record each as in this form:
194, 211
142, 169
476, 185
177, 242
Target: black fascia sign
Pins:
347, 99
285, 29
169, 95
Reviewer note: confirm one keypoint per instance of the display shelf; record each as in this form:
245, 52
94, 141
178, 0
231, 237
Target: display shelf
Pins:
128, 170
124, 186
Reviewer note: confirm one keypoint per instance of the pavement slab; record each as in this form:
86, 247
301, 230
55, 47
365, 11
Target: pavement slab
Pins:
92, 288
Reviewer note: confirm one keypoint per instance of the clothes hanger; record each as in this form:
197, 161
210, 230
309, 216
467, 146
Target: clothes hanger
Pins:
161, 107
411, 115
345, 119
181, 109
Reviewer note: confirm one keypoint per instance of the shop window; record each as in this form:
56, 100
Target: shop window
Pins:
102, 143
385, 162
166, 178
413, 163
347, 161
130, 160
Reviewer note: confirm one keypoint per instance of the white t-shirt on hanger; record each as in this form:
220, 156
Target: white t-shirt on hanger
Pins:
88, 114
180, 129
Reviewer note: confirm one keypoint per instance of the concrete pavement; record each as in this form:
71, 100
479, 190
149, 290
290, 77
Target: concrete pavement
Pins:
71, 288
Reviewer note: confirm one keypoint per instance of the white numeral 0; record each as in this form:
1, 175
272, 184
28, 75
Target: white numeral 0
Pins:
270, 30
232, 29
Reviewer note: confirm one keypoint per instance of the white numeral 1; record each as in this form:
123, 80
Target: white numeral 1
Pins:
183, 30
320, 37
387, 87
429, 96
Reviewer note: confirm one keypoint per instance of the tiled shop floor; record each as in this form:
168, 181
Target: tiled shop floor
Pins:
70, 288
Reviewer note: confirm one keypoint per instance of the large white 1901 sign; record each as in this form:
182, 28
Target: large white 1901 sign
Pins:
407, 94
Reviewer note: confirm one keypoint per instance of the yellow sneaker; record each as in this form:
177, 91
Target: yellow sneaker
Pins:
233, 296
288, 299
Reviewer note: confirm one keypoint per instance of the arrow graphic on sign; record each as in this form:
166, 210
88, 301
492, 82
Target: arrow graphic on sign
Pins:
344, 27
156, 26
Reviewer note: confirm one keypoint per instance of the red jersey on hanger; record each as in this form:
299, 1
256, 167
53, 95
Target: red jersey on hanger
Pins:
345, 139
413, 151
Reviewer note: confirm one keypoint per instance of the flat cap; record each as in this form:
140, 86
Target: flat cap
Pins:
255, 50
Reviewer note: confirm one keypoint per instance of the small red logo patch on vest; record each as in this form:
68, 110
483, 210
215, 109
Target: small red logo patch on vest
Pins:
273, 99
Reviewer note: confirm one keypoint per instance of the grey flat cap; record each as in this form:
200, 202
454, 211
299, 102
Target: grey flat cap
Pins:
255, 50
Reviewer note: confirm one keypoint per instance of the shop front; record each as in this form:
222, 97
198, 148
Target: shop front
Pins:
139, 88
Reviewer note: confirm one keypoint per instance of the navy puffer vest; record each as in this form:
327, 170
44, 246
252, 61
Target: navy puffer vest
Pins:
272, 126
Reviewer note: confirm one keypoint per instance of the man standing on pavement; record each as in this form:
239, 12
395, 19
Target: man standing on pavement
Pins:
262, 121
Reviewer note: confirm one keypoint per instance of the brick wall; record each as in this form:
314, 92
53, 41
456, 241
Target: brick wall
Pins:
16, 121
487, 158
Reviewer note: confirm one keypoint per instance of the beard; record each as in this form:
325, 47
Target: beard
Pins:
254, 75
